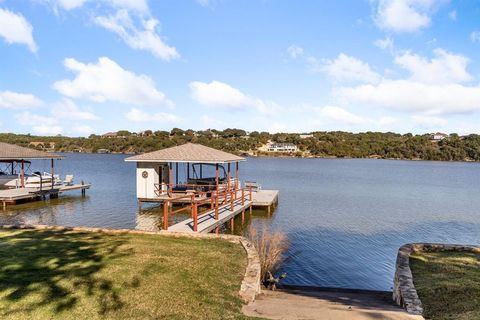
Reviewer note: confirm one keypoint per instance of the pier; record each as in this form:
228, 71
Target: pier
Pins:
14, 196
212, 199
16, 185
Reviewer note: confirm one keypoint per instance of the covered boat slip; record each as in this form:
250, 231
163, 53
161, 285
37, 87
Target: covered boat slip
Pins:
196, 177
20, 186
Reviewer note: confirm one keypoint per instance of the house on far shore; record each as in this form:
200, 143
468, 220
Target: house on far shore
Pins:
439, 136
109, 135
306, 135
282, 147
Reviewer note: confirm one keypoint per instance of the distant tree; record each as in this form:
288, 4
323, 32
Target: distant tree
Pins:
124, 133
177, 132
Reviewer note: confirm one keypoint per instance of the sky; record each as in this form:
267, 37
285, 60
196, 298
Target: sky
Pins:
77, 67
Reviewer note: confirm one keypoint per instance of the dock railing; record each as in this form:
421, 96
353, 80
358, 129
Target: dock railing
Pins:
193, 200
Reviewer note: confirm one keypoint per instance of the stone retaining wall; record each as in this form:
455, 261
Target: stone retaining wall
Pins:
404, 293
250, 286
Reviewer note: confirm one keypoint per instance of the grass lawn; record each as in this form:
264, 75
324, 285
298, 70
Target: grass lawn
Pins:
448, 284
78, 275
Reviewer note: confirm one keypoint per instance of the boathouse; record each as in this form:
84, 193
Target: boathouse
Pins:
17, 184
16, 157
198, 177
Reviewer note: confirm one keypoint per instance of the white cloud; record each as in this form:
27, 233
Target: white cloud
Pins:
143, 37
64, 111
220, 94
340, 115
452, 15
434, 87
348, 68
67, 109
14, 28
47, 130
475, 36
384, 44
445, 67
404, 15
28, 119
295, 51
70, 4
406, 95
107, 81
14, 100
137, 115
427, 122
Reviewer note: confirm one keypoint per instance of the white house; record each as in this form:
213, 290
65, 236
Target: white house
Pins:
439, 136
282, 147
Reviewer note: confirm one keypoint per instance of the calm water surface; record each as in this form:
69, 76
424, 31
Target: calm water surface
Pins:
345, 219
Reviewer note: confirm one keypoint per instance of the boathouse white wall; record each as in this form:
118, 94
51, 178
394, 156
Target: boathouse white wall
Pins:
149, 176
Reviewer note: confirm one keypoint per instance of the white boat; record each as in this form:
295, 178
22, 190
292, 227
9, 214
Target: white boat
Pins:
35, 180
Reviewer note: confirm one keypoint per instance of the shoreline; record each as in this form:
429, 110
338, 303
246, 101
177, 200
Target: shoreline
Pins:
293, 157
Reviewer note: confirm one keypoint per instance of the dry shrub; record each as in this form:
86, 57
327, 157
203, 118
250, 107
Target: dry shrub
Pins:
271, 247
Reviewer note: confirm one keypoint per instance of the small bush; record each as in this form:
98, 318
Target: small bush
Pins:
271, 247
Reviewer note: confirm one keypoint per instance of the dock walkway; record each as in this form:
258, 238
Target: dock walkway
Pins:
207, 221
12, 196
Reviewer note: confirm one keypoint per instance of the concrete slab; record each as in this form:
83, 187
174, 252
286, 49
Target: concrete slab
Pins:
296, 305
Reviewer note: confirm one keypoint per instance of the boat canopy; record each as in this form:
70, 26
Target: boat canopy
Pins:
11, 152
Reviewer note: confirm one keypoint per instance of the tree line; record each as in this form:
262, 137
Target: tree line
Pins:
316, 144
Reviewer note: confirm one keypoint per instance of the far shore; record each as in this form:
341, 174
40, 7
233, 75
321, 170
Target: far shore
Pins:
289, 156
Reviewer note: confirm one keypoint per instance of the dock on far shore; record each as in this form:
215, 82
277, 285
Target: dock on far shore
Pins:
14, 196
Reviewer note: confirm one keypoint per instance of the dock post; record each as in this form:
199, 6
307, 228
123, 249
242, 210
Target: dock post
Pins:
250, 209
165, 215
231, 201
139, 205
232, 224
217, 231
269, 210
195, 217
243, 216
4, 205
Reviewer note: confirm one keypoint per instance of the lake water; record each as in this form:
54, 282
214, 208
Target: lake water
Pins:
345, 218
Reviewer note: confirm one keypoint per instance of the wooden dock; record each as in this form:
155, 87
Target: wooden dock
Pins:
265, 199
207, 221
13, 196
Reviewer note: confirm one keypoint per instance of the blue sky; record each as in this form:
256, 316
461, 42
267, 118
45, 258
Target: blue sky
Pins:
76, 67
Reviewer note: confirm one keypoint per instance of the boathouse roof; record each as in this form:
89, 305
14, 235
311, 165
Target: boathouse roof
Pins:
189, 152
14, 152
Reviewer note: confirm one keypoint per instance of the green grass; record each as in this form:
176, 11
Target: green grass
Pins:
77, 275
448, 284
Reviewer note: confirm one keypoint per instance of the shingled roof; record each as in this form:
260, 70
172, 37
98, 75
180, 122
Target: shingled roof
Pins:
189, 152
14, 152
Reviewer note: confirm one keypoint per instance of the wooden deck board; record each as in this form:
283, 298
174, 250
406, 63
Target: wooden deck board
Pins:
207, 222
264, 198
